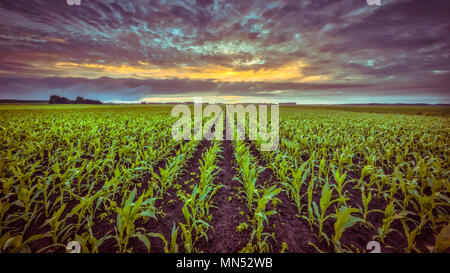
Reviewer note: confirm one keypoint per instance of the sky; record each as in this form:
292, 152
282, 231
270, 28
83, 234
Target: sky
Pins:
235, 51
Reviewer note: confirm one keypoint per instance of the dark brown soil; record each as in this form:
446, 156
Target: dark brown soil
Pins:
226, 218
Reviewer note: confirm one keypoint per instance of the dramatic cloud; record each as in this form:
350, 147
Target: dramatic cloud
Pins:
313, 51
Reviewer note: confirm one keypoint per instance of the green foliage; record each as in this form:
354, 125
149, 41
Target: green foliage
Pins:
84, 163
295, 184
241, 227
324, 203
344, 220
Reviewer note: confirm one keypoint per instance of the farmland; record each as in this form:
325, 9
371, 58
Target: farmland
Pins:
112, 178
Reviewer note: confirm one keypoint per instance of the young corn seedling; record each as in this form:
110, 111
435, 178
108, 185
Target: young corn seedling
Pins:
324, 169
204, 202
339, 186
345, 158
407, 188
167, 175
365, 210
344, 220
86, 204
88, 242
293, 187
240, 151
4, 207
325, 203
393, 190
280, 167
125, 227
194, 222
310, 218
6, 185
424, 206
60, 231
186, 236
208, 167
46, 191
261, 216
429, 207
16, 244
26, 199
442, 242
193, 230
411, 236
173, 240
249, 175
367, 170
389, 217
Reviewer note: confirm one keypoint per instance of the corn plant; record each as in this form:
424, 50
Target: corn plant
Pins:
344, 220
410, 235
208, 168
389, 216
264, 197
339, 186
195, 227
325, 202
248, 177
442, 242
280, 166
293, 187
60, 230
26, 199
196, 214
365, 209
125, 223
86, 204
167, 175
173, 240
17, 244
4, 207
88, 242
310, 191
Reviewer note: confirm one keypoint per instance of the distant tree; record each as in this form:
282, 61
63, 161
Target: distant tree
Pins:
53, 99
59, 100
79, 100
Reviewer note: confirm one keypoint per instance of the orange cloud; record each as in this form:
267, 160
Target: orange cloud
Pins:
288, 72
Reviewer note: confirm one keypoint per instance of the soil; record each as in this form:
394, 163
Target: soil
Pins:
227, 217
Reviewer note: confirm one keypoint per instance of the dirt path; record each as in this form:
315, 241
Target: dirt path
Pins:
225, 218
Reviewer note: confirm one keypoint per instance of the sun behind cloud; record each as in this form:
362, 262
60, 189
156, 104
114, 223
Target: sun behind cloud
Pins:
291, 72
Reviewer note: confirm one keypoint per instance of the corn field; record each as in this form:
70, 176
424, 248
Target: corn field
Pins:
112, 179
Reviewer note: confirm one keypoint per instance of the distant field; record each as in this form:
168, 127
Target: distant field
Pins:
75, 107
112, 178
411, 110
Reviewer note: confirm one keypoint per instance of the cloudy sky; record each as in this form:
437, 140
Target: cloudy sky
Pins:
314, 51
